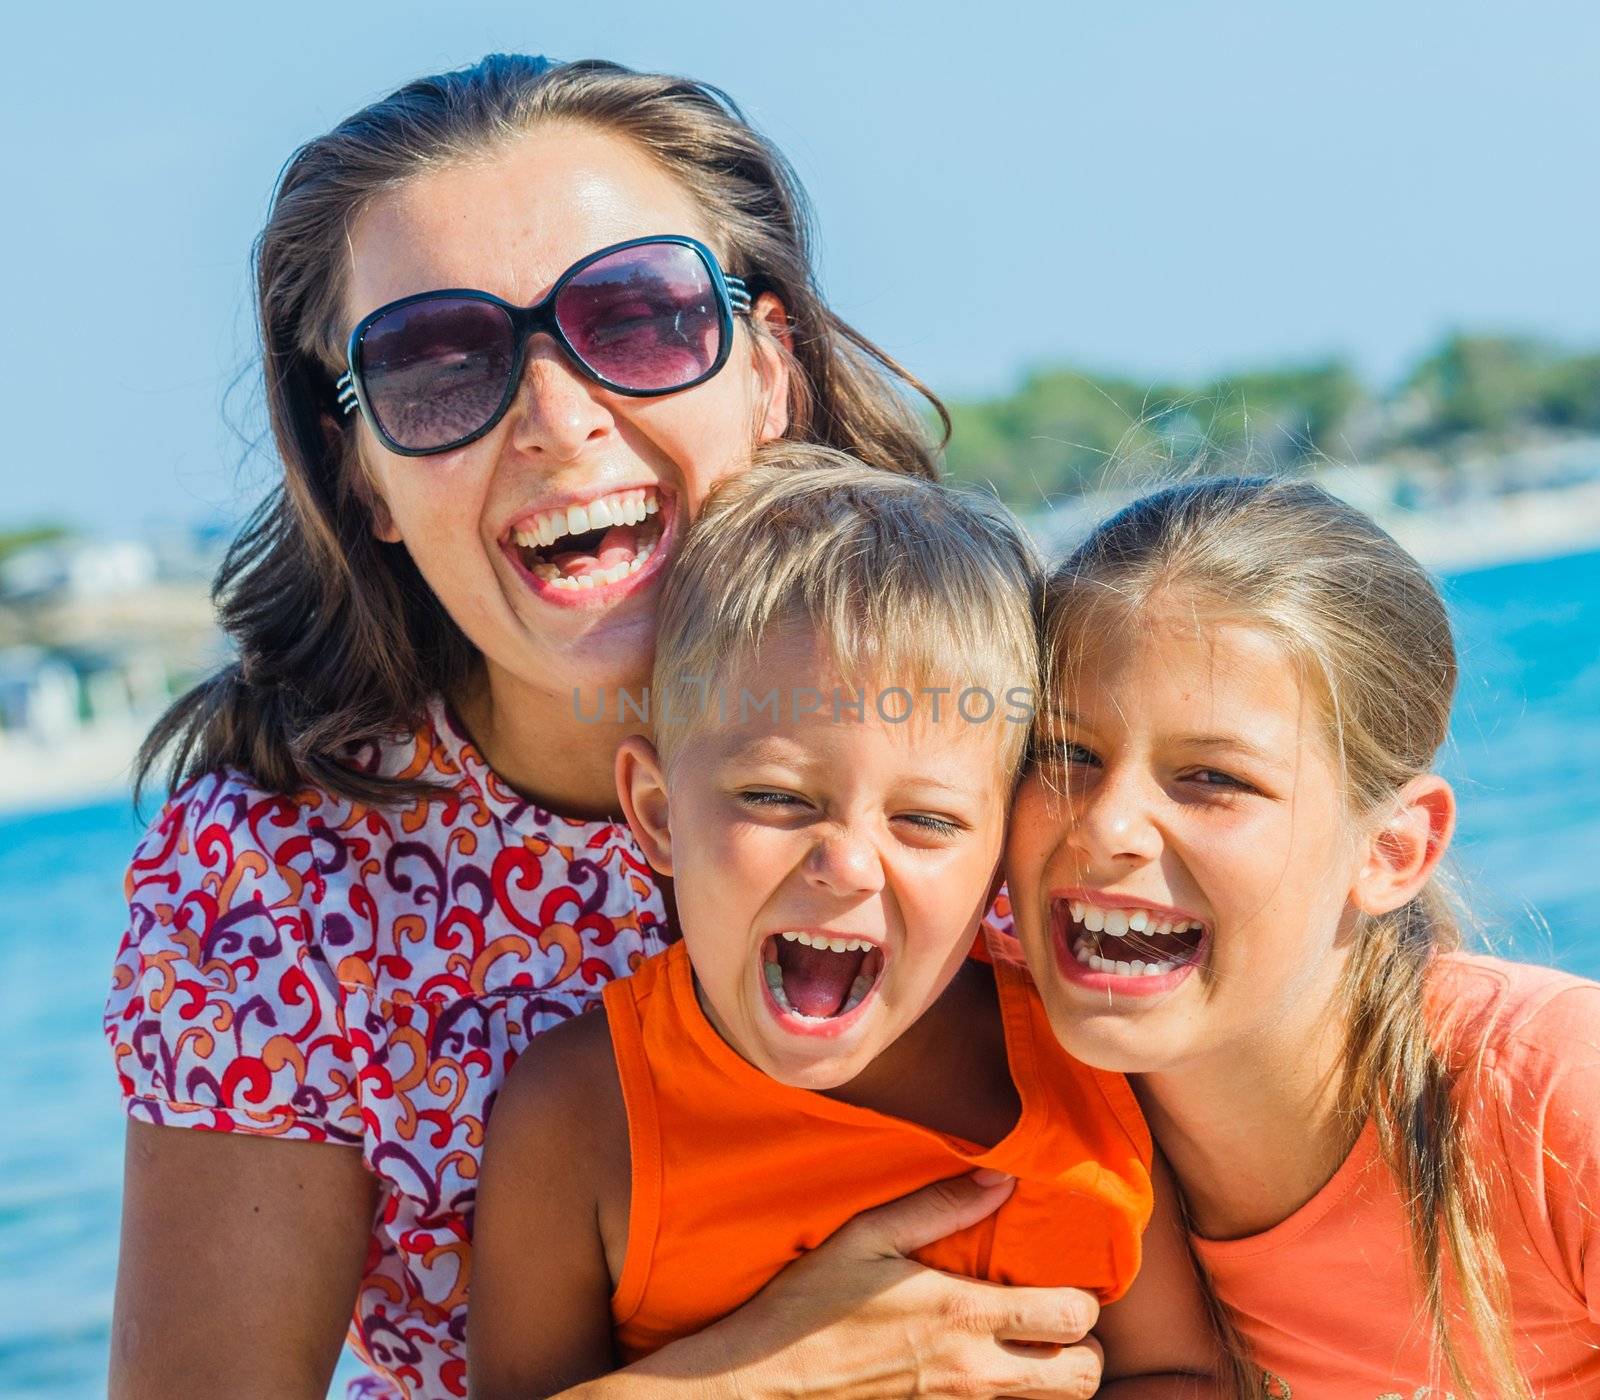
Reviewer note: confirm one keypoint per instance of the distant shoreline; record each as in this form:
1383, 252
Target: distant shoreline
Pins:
95, 765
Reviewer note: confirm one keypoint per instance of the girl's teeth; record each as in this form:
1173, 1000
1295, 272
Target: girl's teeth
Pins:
1116, 921
1077, 912
1118, 967
1094, 919
1138, 921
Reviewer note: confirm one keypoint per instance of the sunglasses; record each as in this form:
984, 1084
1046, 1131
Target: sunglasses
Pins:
438, 370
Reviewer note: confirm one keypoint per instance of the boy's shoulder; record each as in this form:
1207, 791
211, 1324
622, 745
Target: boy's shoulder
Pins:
563, 1098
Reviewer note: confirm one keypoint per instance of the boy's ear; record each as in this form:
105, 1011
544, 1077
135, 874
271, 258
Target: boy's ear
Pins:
1404, 849
642, 787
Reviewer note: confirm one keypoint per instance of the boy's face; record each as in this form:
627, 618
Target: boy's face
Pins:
830, 875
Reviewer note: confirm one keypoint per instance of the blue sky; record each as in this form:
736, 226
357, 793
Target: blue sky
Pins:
1155, 188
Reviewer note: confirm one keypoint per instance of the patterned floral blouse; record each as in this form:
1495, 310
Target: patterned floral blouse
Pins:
313, 968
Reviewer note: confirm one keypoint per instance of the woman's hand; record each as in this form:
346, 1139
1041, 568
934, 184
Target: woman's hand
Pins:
239, 1265
855, 1318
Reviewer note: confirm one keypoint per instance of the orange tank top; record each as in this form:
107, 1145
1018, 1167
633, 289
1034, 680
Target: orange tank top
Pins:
735, 1174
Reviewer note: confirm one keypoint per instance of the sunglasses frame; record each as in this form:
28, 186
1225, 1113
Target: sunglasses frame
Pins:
733, 299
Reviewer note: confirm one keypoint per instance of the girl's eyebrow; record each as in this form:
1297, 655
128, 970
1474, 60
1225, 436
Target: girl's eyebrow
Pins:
1230, 743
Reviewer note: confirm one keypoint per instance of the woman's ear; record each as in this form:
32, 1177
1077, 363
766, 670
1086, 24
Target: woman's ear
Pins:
642, 787
774, 362
1404, 849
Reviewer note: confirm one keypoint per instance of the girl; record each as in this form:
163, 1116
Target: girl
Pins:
1223, 870
393, 854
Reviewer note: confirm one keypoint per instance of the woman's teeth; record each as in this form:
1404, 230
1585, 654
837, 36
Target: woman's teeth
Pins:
548, 526
549, 573
1120, 922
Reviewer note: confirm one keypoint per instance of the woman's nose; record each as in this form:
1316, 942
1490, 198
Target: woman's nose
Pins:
845, 864
1113, 819
557, 411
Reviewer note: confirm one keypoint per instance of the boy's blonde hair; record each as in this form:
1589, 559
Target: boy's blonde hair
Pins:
1366, 626
901, 582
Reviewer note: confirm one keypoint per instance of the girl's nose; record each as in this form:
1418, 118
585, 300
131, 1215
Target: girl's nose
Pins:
1113, 819
844, 864
557, 412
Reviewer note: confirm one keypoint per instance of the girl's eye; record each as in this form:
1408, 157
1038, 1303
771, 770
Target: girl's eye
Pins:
1059, 753
1215, 777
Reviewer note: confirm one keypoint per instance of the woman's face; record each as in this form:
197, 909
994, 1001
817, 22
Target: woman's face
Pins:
1186, 890
510, 223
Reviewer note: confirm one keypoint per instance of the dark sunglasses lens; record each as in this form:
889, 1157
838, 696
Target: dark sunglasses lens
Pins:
645, 317
436, 371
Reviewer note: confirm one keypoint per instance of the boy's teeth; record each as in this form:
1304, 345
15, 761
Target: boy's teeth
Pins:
858, 989
833, 945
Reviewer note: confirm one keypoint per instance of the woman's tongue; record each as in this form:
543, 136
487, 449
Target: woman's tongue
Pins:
817, 981
617, 546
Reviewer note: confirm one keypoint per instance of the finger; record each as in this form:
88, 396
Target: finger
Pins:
1070, 1374
927, 1215
1052, 1316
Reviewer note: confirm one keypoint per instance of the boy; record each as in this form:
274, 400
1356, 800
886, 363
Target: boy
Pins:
840, 704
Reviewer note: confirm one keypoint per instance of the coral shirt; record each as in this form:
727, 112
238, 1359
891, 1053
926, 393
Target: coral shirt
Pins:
735, 1174
1327, 1298
312, 968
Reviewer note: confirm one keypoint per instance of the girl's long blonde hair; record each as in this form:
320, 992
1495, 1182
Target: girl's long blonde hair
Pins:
1368, 628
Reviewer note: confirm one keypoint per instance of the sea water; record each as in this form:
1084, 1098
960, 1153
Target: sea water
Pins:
1525, 754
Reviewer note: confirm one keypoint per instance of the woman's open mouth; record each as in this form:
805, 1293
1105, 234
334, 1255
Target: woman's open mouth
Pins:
1132, 951
572, 553
817, 981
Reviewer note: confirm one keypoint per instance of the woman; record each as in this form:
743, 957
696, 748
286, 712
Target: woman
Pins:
391, 858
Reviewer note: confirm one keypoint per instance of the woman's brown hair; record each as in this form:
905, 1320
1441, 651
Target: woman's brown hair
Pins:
1369, 631
339, 638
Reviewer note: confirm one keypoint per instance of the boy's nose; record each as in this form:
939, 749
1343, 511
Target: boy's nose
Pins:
844, 864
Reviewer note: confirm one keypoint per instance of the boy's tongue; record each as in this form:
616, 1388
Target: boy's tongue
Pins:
816, 981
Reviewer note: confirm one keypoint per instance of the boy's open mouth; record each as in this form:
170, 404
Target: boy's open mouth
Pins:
592, 545
1128, 942
820, 976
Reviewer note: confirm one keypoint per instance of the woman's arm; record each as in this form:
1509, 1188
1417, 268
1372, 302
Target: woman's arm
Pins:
239, 1265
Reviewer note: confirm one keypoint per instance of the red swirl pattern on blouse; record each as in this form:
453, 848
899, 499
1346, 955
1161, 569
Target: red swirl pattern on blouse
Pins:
313, 968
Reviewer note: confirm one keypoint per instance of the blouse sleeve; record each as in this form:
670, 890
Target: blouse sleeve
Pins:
1551, 1103
224, 1013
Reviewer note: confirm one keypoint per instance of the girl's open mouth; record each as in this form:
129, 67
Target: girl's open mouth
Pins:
1135, 952
572, 553
818, 982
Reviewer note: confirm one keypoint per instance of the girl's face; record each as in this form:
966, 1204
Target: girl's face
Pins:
1184, 888
510, 223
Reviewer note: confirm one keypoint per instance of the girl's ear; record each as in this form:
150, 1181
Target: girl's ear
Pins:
774, 346
642, 787
1404, 849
